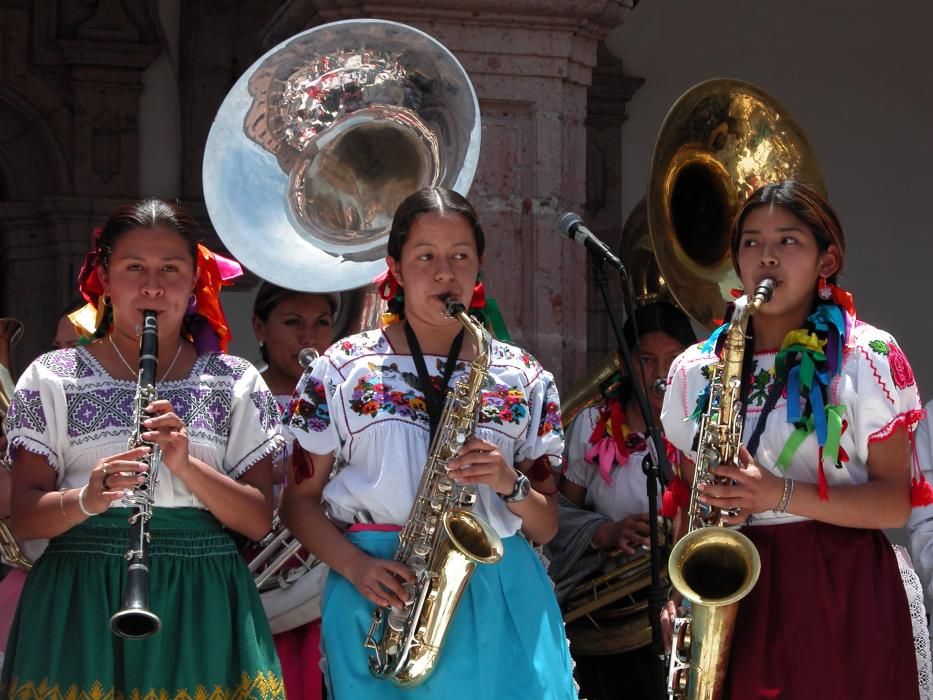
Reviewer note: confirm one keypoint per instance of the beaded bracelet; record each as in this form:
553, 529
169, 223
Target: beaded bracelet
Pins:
61, 507
81, 505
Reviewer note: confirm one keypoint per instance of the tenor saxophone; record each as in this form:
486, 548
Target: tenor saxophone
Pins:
134, 619
442, 541
712, 566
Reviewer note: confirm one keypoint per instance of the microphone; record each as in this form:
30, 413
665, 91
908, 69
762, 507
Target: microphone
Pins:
571, 225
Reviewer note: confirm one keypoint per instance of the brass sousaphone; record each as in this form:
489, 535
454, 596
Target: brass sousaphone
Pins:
309, 155
720, 141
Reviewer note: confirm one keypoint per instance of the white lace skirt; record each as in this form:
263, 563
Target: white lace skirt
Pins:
918, 618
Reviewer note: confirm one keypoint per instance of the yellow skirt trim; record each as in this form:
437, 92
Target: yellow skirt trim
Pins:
263, 686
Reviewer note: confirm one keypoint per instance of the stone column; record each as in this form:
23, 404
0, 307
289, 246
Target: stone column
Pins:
609, 93
531, 63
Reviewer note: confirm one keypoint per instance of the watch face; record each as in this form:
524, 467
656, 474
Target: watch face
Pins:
524, 487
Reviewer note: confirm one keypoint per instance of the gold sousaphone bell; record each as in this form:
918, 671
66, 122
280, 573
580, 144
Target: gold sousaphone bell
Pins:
721, 140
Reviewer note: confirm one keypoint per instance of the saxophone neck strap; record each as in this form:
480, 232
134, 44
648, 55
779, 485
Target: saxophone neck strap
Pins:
433, 399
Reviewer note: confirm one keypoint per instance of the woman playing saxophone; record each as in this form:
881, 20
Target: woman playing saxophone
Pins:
374, 399
215, 424
830, 404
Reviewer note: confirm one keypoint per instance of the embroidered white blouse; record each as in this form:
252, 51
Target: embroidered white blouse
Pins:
875, 384
626, 494
363, 400
69, 410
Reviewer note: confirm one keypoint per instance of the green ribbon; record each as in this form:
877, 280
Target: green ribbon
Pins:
834, 413
494, 318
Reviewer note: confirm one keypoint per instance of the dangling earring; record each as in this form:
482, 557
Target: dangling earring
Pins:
824, 290
192, 304
105, 299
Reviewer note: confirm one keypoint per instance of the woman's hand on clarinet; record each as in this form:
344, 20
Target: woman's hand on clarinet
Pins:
169, 432
754, 490
481, 462
111, 475
625, 535
380, 581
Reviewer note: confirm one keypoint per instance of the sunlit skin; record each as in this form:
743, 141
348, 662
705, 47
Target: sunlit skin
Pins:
776, 244
439, 259
152, 270
65, 335
147, 270
656, 353
296, 322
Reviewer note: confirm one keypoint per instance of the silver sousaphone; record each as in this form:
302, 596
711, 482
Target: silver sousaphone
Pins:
309, 156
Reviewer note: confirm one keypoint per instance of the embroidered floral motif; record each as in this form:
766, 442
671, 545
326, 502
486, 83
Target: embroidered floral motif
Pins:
371, 397
310, 413
901, 372
758, 388
503, 405
551, 421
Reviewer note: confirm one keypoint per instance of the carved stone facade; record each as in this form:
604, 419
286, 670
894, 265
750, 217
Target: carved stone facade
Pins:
70, 80
71, 76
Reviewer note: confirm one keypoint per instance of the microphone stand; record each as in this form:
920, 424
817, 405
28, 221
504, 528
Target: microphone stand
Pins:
655, 466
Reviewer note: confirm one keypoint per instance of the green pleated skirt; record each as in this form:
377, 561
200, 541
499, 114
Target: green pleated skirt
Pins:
214, 641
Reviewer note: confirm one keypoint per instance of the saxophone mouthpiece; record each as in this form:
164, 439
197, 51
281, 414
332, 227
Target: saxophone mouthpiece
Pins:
454, 307
307, 356
764, 290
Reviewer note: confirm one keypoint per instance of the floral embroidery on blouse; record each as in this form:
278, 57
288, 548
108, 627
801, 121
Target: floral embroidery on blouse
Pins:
551, 421
310, 412
760, 382
503, 404
901, 372
372, 397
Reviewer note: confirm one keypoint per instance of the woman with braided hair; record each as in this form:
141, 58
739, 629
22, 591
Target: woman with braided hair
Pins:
830, 409
216, 424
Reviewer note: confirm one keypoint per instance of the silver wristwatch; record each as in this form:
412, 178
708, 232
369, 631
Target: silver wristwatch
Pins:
520, 491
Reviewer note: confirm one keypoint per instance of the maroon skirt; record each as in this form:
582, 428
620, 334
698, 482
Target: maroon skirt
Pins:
828, 618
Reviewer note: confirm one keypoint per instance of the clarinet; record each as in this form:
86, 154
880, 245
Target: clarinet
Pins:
134, 619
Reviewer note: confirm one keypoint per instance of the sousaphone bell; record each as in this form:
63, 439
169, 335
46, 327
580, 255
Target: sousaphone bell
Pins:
323, 137
721, 140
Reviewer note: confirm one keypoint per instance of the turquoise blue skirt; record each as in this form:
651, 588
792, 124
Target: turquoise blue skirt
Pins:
506, 640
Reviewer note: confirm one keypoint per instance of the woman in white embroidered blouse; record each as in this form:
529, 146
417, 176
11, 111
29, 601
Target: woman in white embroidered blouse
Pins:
285, 322
830, 408
369, 398
216, 424
606, 445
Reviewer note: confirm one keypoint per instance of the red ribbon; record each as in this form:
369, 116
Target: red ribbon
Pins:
214, 272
